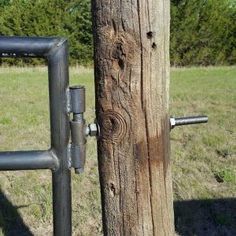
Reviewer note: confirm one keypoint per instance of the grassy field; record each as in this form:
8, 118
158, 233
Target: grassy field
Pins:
203, 156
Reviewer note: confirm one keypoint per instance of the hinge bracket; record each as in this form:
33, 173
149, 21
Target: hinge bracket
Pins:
79, 129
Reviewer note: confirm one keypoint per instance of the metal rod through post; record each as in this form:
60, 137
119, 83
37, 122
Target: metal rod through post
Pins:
188, 120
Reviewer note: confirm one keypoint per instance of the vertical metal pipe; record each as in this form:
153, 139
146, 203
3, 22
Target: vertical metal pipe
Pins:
59, 119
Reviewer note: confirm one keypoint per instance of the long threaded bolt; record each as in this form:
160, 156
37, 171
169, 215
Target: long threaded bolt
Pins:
187, 120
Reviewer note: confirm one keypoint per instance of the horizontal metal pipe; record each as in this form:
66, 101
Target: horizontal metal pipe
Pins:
28, 160
190, 120
28, 46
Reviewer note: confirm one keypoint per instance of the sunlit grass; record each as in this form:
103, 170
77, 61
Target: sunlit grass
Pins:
203, 156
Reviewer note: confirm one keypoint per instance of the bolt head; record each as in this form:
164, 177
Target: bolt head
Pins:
172, 122
93, 129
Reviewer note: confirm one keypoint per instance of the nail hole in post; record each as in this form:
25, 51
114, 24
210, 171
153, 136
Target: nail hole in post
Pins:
149, 34
154, 46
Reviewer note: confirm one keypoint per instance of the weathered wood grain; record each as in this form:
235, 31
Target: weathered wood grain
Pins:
131, 39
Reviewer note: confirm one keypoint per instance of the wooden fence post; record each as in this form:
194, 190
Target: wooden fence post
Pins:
131, 41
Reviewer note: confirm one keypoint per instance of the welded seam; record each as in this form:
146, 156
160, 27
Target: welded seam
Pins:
56, 45
56, 163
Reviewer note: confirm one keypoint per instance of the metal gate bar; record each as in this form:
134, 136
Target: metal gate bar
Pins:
28, 160
55, 51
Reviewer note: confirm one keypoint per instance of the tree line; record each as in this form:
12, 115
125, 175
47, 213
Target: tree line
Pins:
203, 32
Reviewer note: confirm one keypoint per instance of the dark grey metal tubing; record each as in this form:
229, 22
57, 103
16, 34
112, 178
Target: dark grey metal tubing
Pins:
78, 128
55, 50
28, 160
77, 99
27, 46
190, 120
60, 132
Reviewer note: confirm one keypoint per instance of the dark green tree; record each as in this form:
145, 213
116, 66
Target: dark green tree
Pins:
71, 19
202, 32
4, 3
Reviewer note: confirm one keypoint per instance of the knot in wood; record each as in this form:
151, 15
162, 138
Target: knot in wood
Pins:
113, 126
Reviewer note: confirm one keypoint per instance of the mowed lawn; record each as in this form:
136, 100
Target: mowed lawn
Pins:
203, 156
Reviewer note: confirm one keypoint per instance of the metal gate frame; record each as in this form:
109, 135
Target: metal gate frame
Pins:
55, 51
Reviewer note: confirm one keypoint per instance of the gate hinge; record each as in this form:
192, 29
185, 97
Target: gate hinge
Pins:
79, 129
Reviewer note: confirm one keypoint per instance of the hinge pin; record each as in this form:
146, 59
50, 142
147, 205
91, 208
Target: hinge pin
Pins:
79, 129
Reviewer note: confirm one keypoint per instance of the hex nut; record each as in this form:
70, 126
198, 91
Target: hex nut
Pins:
93, 129
172, 122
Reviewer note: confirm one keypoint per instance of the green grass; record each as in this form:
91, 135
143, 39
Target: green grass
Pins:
203, 156
201, 151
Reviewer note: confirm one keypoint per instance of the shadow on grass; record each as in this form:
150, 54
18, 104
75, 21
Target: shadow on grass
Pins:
216, 217
11, 222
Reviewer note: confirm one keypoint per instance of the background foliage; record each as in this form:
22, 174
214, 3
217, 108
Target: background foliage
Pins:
50, 18
203, 32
